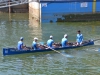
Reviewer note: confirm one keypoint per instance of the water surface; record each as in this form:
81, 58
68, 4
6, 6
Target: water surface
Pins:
79, 61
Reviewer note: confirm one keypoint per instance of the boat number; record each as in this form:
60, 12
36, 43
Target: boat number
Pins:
6, 51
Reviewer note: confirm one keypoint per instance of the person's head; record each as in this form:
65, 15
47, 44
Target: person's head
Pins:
65, 36
21, 38
51, 36
35, 39
78, 31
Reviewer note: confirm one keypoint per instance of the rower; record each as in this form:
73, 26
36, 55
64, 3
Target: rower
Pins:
34, 44
50, 42
20, 44
64, 41
79, 38
37, 46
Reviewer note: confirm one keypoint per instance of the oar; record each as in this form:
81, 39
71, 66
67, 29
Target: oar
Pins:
57, 51
42, 43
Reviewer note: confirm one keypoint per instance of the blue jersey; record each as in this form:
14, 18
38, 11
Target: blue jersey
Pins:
64, 42
50, 42
79, 38
20, 44
34, 45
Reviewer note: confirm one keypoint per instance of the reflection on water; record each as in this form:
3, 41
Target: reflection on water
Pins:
79, 61
35, 27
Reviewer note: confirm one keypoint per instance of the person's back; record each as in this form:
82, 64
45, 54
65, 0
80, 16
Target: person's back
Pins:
50, 42
64, 41
20, 44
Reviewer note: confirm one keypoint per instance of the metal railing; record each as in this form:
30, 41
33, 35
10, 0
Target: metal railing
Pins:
7, 3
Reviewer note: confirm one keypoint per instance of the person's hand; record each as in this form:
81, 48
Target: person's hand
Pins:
25, 45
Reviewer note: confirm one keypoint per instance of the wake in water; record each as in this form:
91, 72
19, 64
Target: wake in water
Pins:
97, 44
67, 55
98, 50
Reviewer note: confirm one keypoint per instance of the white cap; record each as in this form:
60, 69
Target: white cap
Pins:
21, 38
51, 36
35, 38
65, 35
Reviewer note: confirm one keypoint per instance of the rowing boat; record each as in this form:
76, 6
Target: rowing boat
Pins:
12, 51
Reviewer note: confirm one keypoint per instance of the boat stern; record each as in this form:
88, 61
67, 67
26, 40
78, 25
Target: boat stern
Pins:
5, 51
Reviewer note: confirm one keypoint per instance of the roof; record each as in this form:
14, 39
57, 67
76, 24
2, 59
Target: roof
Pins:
68, 0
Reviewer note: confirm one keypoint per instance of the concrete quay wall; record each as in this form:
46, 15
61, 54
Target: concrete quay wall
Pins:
35, 11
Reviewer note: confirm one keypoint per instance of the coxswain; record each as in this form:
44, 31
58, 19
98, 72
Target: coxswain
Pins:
79, 38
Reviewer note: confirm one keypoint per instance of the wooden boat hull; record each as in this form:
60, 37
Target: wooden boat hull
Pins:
13, 51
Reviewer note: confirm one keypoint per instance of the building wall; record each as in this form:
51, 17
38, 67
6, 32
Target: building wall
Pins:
97, 7
52, 11
71, 7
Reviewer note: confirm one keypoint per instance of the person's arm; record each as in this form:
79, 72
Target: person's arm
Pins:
77, 38
23, 46
38, 45
81, 39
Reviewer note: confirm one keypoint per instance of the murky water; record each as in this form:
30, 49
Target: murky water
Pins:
79, 61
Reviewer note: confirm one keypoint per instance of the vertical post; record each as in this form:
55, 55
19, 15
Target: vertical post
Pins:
9, 11
40, 12
94, 6
9, 6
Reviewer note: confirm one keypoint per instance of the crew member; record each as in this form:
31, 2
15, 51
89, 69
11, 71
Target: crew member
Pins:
79, 38
50, 42
64, 41
34, 44
20, 44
